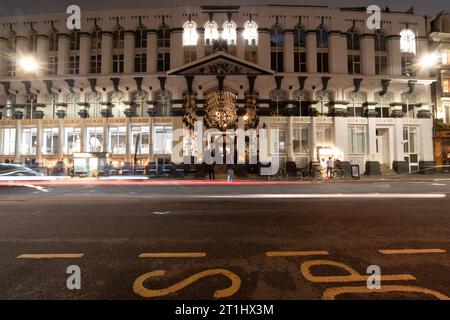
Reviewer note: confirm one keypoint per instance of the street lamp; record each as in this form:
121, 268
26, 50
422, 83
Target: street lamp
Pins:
429, 60
28, 64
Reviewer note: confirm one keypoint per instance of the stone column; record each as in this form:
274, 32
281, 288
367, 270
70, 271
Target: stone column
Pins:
107, 47
85, 53
288, 51
129, 45
311, 51
368, 54
151, 154
83, 134
263, 49
289, 139
341, 127
240, 44
372, 164
42, 53
128, 140
63, 53
152, 51
3, 59
337, 52
61, 138
201, 43
39, 140
18, 146
105, 146
395, 56
313, 140
176, 48
21, 50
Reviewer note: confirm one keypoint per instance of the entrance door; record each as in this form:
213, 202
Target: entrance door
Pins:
382, 146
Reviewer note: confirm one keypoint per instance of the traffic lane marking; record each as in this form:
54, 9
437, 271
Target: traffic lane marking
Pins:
296, 253
410, 251
314, 196
173, 255
50, 256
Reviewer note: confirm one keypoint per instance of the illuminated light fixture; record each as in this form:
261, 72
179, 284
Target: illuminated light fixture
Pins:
429, 60
28, 64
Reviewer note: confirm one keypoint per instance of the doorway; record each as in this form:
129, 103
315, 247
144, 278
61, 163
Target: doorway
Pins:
382, 146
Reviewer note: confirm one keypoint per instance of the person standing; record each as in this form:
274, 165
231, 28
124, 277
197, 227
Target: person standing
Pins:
230, 173
330, 167
211, 171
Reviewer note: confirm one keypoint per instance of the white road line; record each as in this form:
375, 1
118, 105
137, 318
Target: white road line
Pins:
40, 188
320, 196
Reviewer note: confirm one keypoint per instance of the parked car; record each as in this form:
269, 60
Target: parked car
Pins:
7, 169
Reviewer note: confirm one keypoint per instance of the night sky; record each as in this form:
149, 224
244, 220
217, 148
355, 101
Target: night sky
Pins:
21, 7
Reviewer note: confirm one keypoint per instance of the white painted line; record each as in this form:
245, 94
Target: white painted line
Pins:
296, 253
124, 178
173, 255
51, 256
158, 212
438, 184
32, 178
40, 188
321, 196
410, 251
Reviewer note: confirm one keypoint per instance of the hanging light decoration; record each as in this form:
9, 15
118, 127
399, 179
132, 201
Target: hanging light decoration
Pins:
251, 115
221, 109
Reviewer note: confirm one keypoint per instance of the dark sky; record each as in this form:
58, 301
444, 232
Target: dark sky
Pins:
20, 7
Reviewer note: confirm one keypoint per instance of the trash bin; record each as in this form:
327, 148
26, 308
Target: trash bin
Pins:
355, 171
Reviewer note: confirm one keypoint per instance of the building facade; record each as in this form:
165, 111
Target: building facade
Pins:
128, 79
440, 35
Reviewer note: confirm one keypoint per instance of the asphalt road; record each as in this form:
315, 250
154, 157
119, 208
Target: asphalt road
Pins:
234, 242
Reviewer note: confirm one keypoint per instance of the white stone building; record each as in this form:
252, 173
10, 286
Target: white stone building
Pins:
331, 85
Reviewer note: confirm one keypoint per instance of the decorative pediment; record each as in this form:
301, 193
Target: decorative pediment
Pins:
220, 63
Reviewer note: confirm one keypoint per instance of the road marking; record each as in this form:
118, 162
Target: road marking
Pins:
438, 184
332, 293
410, 251
353, 275
161, 212
173, 255
319, 196
296, 253
40, 188
51, 256
140, 289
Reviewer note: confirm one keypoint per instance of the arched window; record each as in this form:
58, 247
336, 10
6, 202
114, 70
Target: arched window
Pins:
118, 106
96, 53
163, 48
354, 51
118, 38
11, 63
299, 49
251, 33
383, 106
190, 35
163, 107
141, 37
381, 60
276, 45
74, 58
53, 52
53, 40
96, 42
322, 49
32, 41
355, 107
163, 36
408, 50
407, 41
229, 32
324, 98
211, 32
409, 101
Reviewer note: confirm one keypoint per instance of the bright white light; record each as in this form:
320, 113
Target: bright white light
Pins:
28, 64
429, 60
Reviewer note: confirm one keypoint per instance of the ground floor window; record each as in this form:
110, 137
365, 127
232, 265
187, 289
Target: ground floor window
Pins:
8, 141
117, 140
95, 139
29, 140
50, 140
72, 142
357, 140
410, 140
162, 135
300, 140
141, 138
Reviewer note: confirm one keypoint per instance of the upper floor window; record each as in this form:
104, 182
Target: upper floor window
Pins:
381, 54
445, 57
53, 40
446, 85
354, 53
353, 41
75, 40
96, 42
118, 38
407, 41
229, 32
251, 33
322, 38
163, 36
380, 41
32, 41
190, 35
141, 37
276, 44
211, 32
299, 49
299, 37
